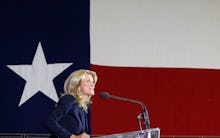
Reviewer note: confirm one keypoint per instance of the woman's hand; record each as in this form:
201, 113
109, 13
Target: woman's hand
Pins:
83, 135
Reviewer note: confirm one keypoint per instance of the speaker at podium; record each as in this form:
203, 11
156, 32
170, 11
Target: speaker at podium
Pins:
149, 133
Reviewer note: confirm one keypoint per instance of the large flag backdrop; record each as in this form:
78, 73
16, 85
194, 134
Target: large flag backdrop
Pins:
164, 53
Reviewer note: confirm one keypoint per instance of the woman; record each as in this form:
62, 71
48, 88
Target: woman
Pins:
69, 119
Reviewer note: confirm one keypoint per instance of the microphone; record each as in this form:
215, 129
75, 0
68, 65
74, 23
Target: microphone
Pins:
106, 95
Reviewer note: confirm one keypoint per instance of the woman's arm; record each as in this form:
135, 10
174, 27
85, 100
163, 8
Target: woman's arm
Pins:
57, 114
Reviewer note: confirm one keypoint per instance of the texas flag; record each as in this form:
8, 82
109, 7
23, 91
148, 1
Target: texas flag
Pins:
164, 53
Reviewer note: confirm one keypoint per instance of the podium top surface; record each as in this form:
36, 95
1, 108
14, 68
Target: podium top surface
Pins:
149, 133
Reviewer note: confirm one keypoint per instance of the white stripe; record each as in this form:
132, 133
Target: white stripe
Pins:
155, 33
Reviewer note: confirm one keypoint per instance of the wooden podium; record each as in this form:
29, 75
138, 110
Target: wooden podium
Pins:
149, 133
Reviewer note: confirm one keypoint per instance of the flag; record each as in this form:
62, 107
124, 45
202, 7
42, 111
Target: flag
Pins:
41, 43
163, 53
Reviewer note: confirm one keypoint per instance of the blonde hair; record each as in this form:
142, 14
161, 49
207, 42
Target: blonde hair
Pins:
73, 81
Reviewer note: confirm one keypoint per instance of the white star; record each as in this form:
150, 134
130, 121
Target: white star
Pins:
39, 76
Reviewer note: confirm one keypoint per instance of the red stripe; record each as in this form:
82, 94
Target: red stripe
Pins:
180, 101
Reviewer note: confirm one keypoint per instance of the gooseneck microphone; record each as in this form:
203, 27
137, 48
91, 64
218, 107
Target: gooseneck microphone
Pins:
106, 95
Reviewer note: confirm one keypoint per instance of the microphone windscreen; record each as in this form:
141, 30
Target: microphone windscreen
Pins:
104, 95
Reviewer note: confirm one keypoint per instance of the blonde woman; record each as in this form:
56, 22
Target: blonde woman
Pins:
69, 119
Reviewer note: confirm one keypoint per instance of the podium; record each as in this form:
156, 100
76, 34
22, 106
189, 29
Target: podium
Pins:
149, 133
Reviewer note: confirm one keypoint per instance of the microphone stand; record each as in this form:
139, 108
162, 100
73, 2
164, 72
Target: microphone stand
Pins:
139, 117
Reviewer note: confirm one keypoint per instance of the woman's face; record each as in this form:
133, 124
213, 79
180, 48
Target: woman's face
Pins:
87, 85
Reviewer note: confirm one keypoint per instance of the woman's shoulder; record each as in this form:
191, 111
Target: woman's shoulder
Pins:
67, 98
